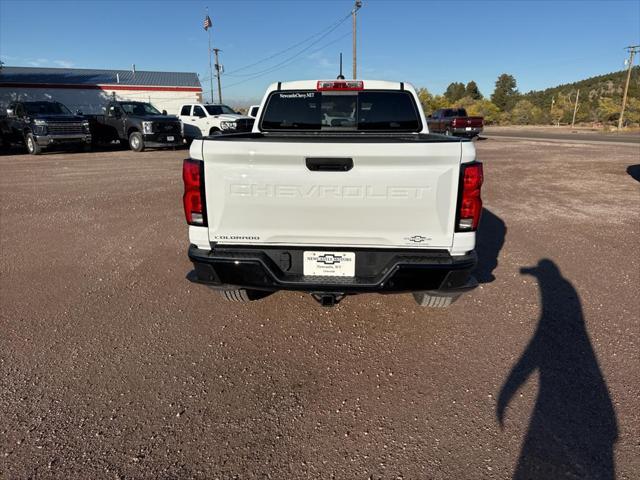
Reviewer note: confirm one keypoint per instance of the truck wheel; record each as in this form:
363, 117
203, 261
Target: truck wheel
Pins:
434, 301
32, 145
215, 131
136, 143
242, 295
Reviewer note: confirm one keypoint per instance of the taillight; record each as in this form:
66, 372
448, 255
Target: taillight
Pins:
340, 85
193, 198
454, 122
470, 203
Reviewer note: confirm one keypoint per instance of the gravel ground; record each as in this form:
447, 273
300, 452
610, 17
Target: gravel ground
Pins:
113, 366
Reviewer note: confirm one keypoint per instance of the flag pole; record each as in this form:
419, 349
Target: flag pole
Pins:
210, 66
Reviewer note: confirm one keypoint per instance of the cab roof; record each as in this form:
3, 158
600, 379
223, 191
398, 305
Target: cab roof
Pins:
367, 85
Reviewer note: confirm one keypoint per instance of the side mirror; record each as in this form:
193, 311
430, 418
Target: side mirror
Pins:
10, 112
164, 112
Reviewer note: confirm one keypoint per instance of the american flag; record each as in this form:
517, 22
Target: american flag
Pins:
207, 23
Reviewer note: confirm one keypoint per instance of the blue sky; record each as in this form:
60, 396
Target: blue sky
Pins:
424, 42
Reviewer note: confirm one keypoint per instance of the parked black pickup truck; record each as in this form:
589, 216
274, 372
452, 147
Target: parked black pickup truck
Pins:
139, 123
45, 124
5, 133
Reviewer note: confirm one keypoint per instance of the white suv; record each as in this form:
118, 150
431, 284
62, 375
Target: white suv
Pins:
200, 120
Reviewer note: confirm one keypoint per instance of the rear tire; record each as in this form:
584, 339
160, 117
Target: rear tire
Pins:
434, 301
136, 142
32, 145
242, 295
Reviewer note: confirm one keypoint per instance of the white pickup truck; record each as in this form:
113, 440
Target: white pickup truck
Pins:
201, 119
339, 189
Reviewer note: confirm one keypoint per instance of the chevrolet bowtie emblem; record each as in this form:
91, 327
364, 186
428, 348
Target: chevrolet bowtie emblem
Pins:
417, 239
329, 259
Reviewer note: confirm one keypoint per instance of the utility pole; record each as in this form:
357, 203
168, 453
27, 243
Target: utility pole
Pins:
575, 109
632, 51
357, 5
216, 50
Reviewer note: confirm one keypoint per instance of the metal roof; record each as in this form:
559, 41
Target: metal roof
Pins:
84, 76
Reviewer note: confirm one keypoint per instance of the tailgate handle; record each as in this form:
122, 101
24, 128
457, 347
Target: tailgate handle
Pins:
317, 164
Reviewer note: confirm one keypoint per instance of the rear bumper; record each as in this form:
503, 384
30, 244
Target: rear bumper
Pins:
469, 133
377, 270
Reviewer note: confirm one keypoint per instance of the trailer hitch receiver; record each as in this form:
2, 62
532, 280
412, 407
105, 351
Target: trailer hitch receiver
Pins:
328, 299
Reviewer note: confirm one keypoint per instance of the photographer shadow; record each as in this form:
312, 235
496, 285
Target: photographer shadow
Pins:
634, 172
573, 427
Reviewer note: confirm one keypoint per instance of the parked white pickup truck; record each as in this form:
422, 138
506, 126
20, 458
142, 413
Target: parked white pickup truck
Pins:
200, 120
339, 189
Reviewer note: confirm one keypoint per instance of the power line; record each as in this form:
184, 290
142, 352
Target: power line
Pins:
328, 29
297, 54
289, 61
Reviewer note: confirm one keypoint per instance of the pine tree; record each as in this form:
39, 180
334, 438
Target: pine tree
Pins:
471, 90
505, 94
455, 91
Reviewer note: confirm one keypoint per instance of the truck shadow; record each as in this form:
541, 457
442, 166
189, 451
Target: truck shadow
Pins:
634, 171
573, 427
490, 239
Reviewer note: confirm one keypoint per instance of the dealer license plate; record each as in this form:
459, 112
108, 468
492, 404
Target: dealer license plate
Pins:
329, 264
468, 129
170, 138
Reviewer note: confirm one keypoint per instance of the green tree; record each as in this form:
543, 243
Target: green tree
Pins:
455, 91
438, 101
472, 90
431, 103
505, 94
632, 112
608, 110
485, 108
425, 98
525, 113
561, 110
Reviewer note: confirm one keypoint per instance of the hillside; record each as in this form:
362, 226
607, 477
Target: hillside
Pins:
600, 96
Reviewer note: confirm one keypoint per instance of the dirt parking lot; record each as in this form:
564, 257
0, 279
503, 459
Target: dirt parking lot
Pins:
113, 366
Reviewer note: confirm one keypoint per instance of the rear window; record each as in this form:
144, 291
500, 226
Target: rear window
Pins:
369, 110
219, 110
456, 112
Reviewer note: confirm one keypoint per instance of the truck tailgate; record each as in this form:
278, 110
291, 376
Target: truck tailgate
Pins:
380, 194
